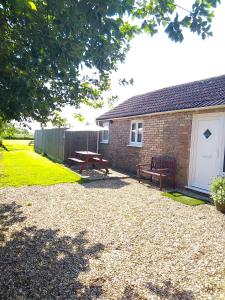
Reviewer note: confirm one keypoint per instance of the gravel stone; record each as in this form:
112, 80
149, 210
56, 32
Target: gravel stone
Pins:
108, 239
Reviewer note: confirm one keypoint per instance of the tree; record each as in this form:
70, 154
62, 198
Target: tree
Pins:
7, 129
49, 48
58, 121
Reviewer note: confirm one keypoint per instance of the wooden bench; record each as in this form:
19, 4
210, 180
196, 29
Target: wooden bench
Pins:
160, 166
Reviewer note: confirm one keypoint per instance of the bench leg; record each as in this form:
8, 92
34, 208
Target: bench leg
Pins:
161, 182
139, 174
174, 183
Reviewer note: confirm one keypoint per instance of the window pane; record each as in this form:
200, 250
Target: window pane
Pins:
106, 125
139, 137
133, 136
105, 135
133, 126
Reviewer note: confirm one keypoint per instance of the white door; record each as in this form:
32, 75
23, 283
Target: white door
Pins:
206, 150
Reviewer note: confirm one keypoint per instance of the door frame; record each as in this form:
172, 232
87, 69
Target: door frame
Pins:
194, 133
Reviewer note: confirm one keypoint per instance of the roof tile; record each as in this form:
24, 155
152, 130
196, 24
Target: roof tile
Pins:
197, 94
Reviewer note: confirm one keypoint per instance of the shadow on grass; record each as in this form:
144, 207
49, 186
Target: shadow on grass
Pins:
16, 147
40, 263
3, 146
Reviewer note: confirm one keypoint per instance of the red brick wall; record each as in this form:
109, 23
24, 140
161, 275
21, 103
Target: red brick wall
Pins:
117, 150
164, 134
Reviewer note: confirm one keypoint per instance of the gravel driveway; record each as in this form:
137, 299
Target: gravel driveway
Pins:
111, 239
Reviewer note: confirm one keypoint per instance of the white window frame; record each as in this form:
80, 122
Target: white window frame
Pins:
105, 124
136, 143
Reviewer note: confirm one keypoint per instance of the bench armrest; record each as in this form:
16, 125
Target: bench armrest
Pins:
160, 170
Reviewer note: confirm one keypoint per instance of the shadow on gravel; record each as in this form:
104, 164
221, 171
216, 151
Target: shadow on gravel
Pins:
9, 215
129, 293
106, 184
39, 263
169, 292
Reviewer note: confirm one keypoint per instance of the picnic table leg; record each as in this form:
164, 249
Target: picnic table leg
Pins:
103, 165
83, 165
81, 168
88, 160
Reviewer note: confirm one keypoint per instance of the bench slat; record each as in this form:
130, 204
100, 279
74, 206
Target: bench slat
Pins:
96, 159
157, 174
76, 160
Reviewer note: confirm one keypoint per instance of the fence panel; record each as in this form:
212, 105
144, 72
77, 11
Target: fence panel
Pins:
77, 141
59, 144
50, 142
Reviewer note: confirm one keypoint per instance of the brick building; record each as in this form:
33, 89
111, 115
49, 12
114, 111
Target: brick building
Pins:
185, 121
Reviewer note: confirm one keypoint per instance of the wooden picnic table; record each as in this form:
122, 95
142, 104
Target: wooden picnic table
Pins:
85, 158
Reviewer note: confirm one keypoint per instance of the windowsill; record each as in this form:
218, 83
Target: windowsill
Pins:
104, 142
135, 145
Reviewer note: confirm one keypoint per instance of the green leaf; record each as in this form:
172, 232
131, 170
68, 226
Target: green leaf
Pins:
32, 5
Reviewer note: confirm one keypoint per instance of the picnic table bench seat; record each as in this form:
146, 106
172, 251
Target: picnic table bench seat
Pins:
160, 166
75, 160
97, 159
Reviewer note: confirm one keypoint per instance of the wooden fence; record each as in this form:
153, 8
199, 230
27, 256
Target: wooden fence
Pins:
50, 142
77, 141
59, 144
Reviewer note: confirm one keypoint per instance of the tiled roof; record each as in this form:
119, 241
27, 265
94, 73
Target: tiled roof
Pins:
197, 94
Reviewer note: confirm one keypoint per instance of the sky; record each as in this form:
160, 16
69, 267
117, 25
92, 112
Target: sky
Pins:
157, 62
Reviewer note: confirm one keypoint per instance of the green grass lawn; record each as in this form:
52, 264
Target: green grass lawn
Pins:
182, 198
22, 166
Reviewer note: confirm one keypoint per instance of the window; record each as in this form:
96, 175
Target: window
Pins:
105, 133
136, 135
